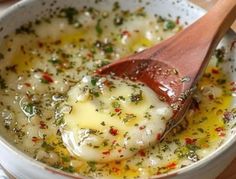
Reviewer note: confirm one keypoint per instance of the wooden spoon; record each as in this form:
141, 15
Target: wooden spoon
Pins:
173, 67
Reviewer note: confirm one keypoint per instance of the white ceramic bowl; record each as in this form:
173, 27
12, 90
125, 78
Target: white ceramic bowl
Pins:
22, 166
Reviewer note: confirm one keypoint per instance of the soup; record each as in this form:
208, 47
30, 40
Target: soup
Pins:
47, 71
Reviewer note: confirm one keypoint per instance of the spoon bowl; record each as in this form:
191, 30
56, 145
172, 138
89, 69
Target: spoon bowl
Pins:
173, 67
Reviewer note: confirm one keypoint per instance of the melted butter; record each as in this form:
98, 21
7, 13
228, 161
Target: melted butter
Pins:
103, 120
209, 116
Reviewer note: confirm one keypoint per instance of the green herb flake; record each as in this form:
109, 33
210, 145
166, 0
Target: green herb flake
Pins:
92, 166
136, 98
116, 6
169, 25
115, 104
59, 121
151, 107
129, 117
221, 81
98, 28
132, 149
65, 158
29, 109
147, 115
105, 143
94, 80
121, 98
103, 123
96, 94
108, 49
220, 55
2, 83
1, 56
160, 19
54, 61
118, 21
200, 130
70, 14
69, 169
25, 29
47, 146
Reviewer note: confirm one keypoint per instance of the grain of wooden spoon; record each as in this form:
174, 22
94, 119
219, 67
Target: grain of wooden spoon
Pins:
173, 67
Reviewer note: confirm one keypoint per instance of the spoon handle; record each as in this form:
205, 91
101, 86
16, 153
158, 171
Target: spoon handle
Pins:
208, 31
190, 50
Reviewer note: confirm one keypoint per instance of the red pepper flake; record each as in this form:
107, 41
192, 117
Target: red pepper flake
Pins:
47, 78
107, 83
195, 105
113, 131
233, 44
215, 71
106, 152
126, 33
43, 125
177, 20
190, 141
219, 129
89, 54
117, 110
171, 165
211, 96
158, 136
57, 42
233, 83
115, 169
40, 44
142, 153
35, 139
158, 173
27, 84
222, 134
233, 89
142, 127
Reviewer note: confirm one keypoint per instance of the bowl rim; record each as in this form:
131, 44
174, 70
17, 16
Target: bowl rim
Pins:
17, 152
